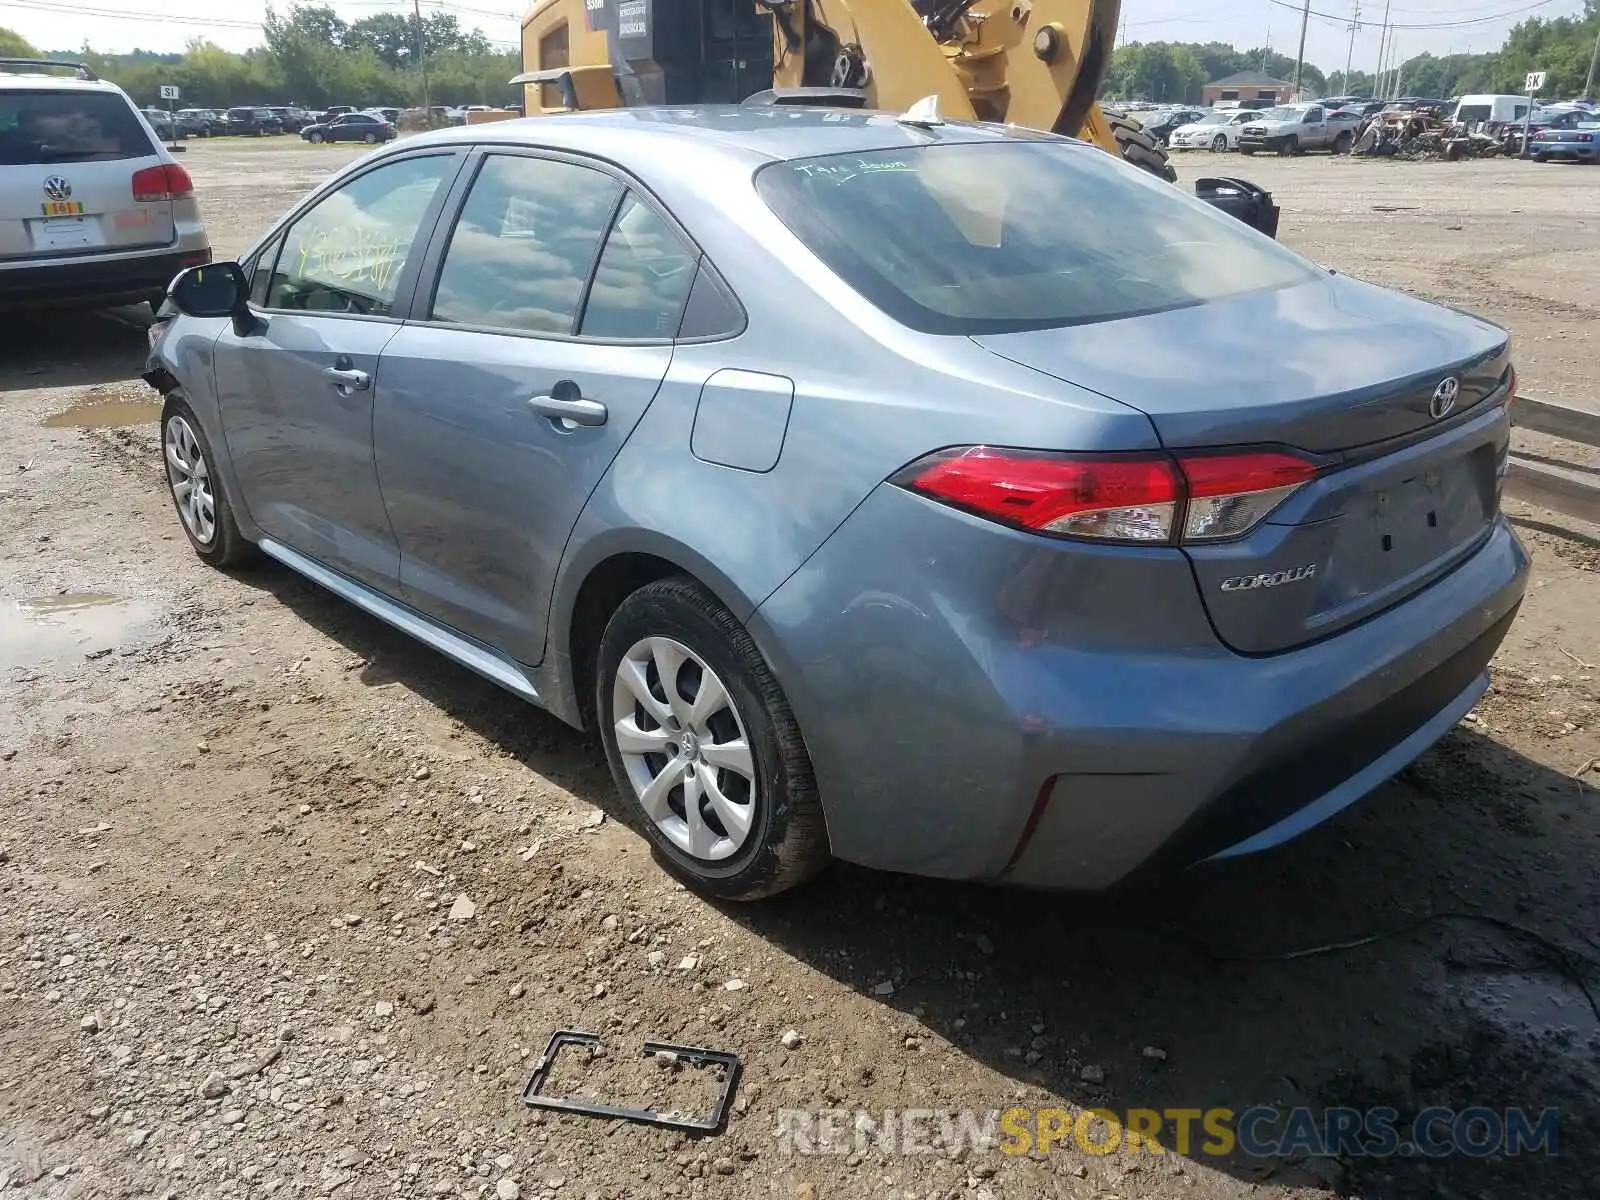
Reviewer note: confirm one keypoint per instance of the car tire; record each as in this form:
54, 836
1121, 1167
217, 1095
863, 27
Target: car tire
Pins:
1245, 150
1289, 146
774, 836
316, 139
370, 139
1539, 158
1136, 146
1219, 143
189, 461
1342, 143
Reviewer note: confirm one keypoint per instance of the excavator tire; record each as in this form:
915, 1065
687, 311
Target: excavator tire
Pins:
1139, 148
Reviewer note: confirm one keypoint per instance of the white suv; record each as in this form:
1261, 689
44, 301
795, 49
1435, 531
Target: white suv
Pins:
93, 209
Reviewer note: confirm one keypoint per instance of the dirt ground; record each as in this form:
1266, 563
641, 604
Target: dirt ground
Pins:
243, 826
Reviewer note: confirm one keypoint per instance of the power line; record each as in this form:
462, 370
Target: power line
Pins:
1425, 24
133, 15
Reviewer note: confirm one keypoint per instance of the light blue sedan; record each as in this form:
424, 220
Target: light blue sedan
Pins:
858, 480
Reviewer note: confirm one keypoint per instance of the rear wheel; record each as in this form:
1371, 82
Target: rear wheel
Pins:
370, 138
1136, 146
703, 746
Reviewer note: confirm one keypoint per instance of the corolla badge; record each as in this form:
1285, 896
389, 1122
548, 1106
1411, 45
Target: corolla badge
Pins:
57, 188
1444, 397
1269, 579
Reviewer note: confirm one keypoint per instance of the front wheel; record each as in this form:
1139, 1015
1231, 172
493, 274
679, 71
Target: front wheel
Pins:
316, 139
703, 746
1219, 143
196, 488
1246, 151
1289, 146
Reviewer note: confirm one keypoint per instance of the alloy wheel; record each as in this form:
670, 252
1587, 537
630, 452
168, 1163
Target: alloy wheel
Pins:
190, 478
684, 748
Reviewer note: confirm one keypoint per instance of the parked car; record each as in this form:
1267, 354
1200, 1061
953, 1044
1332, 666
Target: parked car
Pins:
1160, 123
166, 126
1214, 131
351, 127
251, 122
200, 122
1552, 117
338, 110
1296, 128
94, 211
1161, 558
290, 120
1358, 110
1489, 110
1579, 142
390, 116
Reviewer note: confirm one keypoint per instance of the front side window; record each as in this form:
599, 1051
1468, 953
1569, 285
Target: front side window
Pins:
347, 253
43, 127
960, 238
525, 244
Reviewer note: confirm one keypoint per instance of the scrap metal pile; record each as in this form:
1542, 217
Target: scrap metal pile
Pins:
1420, 136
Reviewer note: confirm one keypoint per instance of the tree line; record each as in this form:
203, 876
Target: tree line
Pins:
1176, 72
313, 57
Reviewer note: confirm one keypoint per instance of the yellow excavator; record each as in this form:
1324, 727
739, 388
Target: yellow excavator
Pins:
1037, 63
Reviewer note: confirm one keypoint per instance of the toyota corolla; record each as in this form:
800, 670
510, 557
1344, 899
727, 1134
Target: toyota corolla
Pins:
864, 506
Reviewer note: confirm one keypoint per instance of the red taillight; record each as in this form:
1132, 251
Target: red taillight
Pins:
1229, 494
1134, 498
168, 181
1126, 499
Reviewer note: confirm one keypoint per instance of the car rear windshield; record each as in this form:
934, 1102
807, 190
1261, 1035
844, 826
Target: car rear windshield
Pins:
974, 238
69, 126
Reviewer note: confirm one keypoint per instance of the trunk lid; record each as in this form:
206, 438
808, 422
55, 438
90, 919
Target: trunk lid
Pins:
67, 161
1347, 373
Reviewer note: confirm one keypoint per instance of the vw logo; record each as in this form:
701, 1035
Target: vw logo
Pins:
57, 188
1444, 397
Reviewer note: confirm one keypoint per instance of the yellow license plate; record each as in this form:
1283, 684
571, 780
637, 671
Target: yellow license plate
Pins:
63, 208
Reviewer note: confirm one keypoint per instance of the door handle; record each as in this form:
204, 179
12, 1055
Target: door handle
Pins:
347, 379
579, 411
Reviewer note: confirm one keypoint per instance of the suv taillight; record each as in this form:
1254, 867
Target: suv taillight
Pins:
168, 181
1144, 498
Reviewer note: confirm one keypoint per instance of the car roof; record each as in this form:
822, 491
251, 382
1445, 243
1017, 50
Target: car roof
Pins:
749, 132
33, 81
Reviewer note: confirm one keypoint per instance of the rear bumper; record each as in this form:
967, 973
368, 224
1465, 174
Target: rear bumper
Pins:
100, 281
1586, 153
987, 705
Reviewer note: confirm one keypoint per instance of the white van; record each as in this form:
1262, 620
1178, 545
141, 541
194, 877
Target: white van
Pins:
1490, 110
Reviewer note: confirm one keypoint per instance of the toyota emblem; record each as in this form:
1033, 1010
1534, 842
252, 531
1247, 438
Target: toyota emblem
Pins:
57, 188
1444, 398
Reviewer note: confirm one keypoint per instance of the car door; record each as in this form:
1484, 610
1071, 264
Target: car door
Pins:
541, 341
296, 392
1315, 128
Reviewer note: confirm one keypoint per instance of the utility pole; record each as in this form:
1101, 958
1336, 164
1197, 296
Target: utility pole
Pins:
1594, 61
1382, 39
1349, 53
1300, 56
422, 57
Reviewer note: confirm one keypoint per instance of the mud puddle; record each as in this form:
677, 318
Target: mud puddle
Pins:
1549, 1007
54, 629
105, 414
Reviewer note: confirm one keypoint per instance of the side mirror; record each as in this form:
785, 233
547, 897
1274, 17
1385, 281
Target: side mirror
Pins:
210, 290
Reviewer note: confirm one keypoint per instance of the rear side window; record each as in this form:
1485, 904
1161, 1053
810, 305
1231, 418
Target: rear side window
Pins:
69, 126
973, 238
347, 253
643, 279
525, 245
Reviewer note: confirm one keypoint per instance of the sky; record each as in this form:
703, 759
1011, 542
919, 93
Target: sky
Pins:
1440, 26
